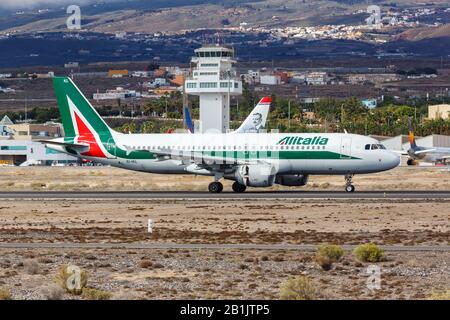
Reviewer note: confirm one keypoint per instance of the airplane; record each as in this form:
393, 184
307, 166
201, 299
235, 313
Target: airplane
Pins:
249, 159
417, 153
189, 122
255, 122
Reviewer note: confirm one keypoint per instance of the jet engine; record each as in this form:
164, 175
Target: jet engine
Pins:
255, 175
292, 180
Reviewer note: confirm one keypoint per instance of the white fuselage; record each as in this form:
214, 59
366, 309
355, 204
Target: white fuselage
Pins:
328, 154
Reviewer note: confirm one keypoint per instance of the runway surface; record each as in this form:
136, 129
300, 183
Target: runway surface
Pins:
196, 246
426, 194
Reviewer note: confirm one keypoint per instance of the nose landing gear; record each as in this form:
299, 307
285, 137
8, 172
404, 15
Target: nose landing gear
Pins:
349, 187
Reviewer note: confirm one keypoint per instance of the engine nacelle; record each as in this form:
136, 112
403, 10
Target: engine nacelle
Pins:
255, 175
292, 180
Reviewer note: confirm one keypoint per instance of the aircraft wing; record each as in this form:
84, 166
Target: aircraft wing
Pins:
202, 159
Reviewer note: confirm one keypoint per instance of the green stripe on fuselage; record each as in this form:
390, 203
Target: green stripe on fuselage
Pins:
252, 155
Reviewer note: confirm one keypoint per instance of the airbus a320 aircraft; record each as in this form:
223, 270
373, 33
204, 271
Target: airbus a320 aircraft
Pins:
249, 159
415, 152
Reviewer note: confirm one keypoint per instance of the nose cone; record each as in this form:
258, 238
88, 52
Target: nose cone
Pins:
391, 160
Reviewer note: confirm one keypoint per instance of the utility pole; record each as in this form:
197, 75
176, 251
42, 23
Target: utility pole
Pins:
289, 114
228, 98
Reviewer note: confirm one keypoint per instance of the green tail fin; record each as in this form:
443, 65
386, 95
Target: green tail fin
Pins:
73, 105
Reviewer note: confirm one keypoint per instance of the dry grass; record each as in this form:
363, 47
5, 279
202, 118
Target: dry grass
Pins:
369, 252
5, 294
67, 280
31, 266
53, 292
299, 288
95, 294
440, 295
327, 254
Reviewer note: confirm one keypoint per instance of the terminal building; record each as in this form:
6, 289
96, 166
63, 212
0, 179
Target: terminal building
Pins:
214, 80
401, 142
19, 145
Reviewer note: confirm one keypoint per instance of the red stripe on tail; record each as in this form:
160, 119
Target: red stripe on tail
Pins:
85, 136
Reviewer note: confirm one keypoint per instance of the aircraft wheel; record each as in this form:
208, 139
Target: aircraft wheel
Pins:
350, 188
215, 187
239, 188
410, 162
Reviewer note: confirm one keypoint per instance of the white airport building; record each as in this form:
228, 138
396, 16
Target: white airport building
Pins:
401, 142
214, 80
19, 145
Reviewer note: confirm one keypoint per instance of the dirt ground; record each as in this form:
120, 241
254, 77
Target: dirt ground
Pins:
226, 274
389, 221
216, 274
112, 179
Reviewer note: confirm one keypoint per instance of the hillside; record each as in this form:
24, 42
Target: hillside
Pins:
175, 15
418, 34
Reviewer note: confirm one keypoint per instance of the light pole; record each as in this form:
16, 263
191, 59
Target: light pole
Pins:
229, 82
289, 114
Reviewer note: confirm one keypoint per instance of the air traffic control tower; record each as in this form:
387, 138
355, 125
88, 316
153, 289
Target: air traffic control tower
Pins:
214, 80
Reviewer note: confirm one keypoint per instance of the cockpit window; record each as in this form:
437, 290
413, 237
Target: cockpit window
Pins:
375, 147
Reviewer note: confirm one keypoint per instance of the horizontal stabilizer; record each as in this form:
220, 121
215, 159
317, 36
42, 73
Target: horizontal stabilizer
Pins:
75, 146
424, 151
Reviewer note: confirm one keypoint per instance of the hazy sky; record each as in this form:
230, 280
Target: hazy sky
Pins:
21, 4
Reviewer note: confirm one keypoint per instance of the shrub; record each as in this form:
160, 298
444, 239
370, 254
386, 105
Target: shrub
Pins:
324, 262
331, 251
53, 292
31, 266
368, 252
327, 254
66, 280
5, 294
440, 295
299, 288
95, 294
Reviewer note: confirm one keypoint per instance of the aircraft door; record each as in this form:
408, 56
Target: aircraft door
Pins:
346, 147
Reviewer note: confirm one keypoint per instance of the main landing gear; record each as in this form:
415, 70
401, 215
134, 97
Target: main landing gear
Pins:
238, 188
215, 187
349, 187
